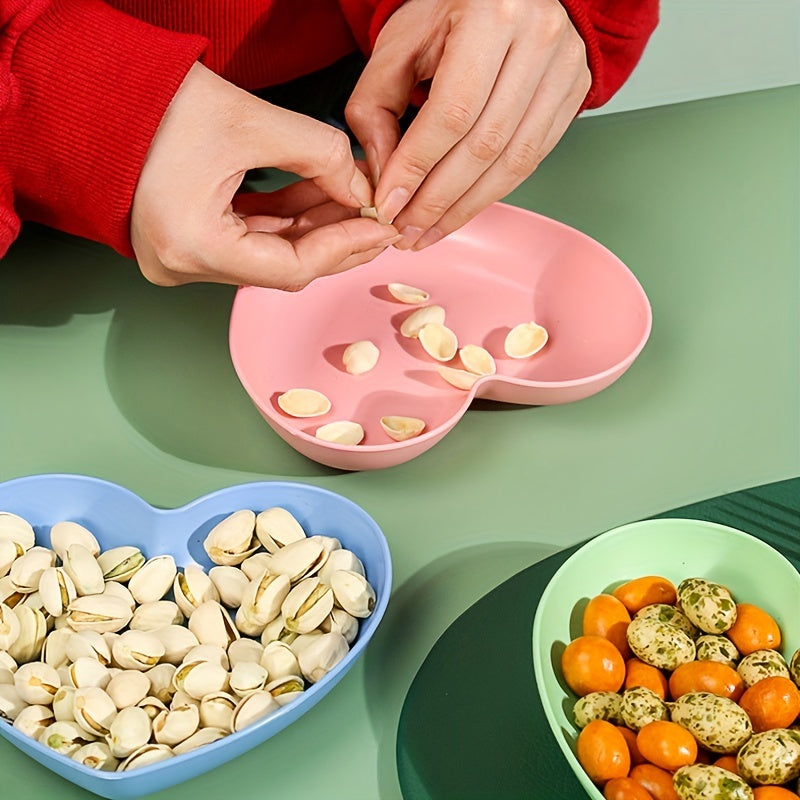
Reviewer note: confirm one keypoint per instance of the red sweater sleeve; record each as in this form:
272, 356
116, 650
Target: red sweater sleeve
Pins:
83, 89
615, 33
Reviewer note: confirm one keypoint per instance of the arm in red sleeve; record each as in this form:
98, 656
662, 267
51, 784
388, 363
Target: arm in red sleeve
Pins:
84, 88
615, 33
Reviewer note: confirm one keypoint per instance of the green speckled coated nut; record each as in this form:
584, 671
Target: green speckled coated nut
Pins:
708, 605
597, 705
770, 757
641, 705
762, 664
715, 647
659, 643
707, 782
718, 724
671, 614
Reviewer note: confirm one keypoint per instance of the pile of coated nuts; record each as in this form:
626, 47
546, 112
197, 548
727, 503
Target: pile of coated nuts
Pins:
118, 660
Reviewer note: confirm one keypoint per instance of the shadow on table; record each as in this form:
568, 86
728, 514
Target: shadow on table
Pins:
167, 362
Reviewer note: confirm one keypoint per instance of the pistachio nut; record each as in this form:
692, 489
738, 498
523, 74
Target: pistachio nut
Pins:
7, 661
28, 568
193, 587
94, 710
154, 615
9, 551
244, 649
329, 543
199, 678
121, 563
65, 737
177, 640
129, 730
36, 683
9, 594
261, 602
98, 612
285, 689
32, 632
209, 652
199, 738
247, 677
9, 626
276, 527
11, 704
230, 541
96, 755
525, 340
54, 648
251, 708
438, 341
353, 593
276, 632
181, 699
211, 624
152, 705
322, 655
307, 605
63, 703
160, 679
34, 600
256, 565
279, 660
128, 687
87, 644
303, 640
137, 650
57, 590
146, 755
6, 676
302, 402
153, 579
66, 533
230, 583
216, 710
16, 529
172, 727
121, 591
81, 565
88, 672
299, 559
339, 620
360, 357
32, 720
341, 559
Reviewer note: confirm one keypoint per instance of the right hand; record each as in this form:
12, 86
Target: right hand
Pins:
188, 224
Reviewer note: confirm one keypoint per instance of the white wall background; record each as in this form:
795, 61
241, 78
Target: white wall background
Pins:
705, 48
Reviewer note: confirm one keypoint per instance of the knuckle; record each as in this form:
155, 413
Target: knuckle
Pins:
457, 117
356, 113
339, 152
486, 145
553, 23
521, 159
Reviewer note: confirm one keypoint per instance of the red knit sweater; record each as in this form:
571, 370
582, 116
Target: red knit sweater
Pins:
84, 84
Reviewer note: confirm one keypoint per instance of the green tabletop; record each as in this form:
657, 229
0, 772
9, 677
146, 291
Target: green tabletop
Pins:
103, 374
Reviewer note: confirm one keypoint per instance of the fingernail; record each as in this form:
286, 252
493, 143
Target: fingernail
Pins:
431, 236
395, 202
409, 236
360, 190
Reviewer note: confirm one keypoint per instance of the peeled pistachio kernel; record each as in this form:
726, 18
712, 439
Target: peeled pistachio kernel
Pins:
525, 340
404, 293
402, 428
121, 563
343, 431
477, 359
66, 533
153, 580
96, 755
17, 529
36, 683
231, 540
360, 357
416, 320
304, 403
460, 378
438, 341
353, 593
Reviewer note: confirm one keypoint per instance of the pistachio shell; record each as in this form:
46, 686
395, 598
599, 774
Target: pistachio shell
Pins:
62, 704
286, 688
407, 294
256, 565
307, 605
36, 683
87, 575
146, 755
438, 341
87, 643
216, 710
9, 594
16, 529
9, 626
129, 730
230, 584
416, 320
322, 655
276, 527
137, 650
460, 378
121, 592
96, 755
11, 704
57, 590
172, 727
341, 559
477, 359
88, 671
261, 602
128, 687
98, 612
9, 551
152, 705
160, 678
299, 559
32, 720
153, 580
212, 624
200, 678
156, 614
247, 677
121, 563
341, 622
199, 738
353, 593
177, 641
279, 660
402, 428
32, 632
251, 708
341, 431
193, 586
232, 539
304, 403
94, 710
370, 212
525, 340
209, 652
66, 533
26, 570
65, 737
360, 357
244, 650
276, 632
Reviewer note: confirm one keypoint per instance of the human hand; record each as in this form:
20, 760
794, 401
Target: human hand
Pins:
507, 80
187, 224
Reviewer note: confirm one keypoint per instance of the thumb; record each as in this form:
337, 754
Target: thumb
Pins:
314, 150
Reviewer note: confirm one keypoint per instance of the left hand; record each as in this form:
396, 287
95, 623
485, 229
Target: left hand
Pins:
507, 78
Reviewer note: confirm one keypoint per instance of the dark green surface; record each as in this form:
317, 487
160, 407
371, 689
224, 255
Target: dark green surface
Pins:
473, 726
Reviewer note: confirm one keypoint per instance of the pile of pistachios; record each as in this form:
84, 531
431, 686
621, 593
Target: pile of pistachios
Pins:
118, 660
